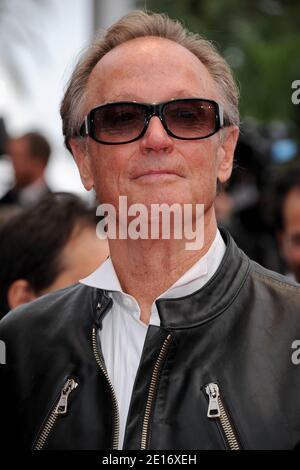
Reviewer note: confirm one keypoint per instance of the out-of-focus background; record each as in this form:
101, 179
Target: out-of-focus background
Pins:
40, 41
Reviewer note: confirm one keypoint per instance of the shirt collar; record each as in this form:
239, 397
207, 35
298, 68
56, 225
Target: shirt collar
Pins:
105, 277
33, 191
200, 273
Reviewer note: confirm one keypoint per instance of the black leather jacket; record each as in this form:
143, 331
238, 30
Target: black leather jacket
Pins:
225, 349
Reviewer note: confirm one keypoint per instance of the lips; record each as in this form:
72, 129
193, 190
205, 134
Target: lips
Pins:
156, 172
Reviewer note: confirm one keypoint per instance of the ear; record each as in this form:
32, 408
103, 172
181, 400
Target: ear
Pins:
225, 153
19, 292
82, 159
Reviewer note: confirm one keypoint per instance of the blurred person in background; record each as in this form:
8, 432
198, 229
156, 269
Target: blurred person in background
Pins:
47, 247
287, 221
241, 204
3, 137
29, 155
8, 211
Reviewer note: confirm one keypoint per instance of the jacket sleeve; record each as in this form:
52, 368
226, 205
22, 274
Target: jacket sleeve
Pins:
8, 420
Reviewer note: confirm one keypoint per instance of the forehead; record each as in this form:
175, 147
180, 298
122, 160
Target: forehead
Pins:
149, 69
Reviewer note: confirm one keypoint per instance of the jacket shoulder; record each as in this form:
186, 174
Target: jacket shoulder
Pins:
273, 278
54, 308
277, 290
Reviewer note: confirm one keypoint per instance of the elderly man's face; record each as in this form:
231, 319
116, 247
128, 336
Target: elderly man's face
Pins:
154, 70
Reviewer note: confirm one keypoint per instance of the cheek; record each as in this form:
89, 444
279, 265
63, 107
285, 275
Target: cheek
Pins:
290, 249
293, 256
202, 162
203, 168
18, 165
108, 168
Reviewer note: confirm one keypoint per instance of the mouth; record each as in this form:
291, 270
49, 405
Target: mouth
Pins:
156, 174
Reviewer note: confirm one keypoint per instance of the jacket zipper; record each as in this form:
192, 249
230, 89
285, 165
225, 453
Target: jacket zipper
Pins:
116, 420
216, 410
60, 408
152, 390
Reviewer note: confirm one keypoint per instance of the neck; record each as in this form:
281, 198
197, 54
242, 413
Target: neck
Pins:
36, 178
147, 268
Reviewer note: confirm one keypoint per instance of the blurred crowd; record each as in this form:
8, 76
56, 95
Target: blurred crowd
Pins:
48, 240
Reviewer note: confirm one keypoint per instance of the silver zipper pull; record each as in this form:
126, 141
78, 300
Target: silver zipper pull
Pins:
62, 405
212, 391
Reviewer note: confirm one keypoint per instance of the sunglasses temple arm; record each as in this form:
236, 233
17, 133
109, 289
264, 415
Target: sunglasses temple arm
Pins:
86, 126
221, 115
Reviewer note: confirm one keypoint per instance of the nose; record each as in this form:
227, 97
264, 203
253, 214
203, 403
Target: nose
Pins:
156, 138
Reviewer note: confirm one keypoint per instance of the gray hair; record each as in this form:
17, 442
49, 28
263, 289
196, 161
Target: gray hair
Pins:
143, 24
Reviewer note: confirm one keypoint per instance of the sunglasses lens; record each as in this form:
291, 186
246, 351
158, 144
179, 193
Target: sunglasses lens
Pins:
120, 122
189, 119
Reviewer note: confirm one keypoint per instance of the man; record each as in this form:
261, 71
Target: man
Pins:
36, 257
162, 347
288, 220
29, 155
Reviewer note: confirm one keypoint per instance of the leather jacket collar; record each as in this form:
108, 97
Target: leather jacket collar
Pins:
200, 306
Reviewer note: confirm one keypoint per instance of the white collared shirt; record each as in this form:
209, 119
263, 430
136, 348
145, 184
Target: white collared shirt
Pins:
123, 333
33, 192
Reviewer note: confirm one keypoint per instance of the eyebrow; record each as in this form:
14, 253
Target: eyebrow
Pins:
131, 97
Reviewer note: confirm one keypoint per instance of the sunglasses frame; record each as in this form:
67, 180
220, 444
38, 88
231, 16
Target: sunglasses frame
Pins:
152, 110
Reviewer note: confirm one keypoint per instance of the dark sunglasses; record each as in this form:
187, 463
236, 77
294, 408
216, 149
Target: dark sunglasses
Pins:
126, 121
